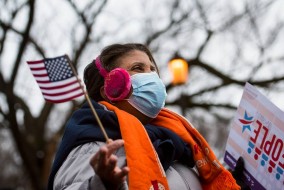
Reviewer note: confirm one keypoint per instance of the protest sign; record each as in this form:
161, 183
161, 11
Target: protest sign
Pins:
257, 134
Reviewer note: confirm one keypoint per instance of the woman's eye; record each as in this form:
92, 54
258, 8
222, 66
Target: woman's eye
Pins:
137, 68
153, 69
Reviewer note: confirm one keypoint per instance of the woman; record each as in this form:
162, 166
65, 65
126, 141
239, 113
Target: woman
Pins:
151, 147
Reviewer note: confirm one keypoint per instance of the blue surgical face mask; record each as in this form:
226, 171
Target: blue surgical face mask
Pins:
149, 93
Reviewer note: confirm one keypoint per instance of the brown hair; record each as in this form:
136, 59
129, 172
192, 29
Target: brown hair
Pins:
109, 55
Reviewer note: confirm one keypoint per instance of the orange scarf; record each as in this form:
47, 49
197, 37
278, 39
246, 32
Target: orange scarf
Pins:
146, 170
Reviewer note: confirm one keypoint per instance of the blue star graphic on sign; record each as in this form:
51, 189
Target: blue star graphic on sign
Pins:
246, 122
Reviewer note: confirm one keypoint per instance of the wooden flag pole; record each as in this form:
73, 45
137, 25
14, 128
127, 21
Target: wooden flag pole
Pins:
88, 100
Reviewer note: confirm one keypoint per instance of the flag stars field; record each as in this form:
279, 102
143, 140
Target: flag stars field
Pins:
56, 79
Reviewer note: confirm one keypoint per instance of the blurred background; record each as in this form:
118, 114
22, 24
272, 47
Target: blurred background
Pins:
224, 44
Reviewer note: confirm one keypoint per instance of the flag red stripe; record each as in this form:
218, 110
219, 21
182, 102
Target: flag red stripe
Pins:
35, 62
38, 69
41, 75
56, 87
62, 93
65, 99
43, 82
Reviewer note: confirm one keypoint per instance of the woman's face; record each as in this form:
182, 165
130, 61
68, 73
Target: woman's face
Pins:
136, 62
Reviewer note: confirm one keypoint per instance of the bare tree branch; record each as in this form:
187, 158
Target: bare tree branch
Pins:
39, 49
3, 39
202, 14
6, 27
172, 23
3, 113
255, 28
24, 42
274, 33
226, 79
2, 82
200, 50
204, 105
216, 87
88, 27
25, 150
232, 21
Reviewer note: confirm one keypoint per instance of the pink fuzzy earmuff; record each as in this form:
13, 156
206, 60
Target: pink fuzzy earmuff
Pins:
117, 82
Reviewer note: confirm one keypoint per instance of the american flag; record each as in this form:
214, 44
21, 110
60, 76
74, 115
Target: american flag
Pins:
56, 79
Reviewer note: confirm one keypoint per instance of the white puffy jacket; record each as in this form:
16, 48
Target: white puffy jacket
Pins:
76, 172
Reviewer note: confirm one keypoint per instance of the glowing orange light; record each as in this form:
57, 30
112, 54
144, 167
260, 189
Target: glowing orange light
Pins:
179, 70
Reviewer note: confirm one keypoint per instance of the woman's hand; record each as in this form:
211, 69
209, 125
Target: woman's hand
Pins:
238, 174
104, 163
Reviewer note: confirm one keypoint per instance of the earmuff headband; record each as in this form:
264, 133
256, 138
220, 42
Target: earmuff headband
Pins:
102, 71
117, 83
